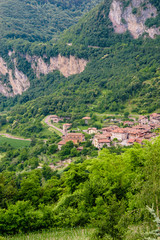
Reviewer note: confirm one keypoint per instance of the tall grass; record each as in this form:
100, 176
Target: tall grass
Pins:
63, 234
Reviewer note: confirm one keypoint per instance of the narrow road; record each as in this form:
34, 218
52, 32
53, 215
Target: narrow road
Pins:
13, 137
47, 121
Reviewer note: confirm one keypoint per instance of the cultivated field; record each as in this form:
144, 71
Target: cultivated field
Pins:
15, 143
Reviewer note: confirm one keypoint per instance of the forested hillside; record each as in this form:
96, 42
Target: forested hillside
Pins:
122, 72
102, 68
108, 193
40, 20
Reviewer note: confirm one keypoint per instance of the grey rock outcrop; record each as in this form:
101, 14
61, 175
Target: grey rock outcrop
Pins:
124, 18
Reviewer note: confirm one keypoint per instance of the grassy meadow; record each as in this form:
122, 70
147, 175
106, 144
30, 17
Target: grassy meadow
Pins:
15, 143
63, 234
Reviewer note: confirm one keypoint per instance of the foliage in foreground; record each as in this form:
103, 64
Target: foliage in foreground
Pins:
109, 193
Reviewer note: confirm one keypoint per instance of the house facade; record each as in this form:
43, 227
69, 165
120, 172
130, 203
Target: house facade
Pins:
75, 137
155, 118
92, 130
120, 134
86, 119
143, 120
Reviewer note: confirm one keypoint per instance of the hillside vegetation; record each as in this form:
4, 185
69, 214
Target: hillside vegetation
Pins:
108, 193
40, 20
122, 73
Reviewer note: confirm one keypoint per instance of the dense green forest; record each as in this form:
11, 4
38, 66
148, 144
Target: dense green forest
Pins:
108, 193
122, 72
40, 20
124, 76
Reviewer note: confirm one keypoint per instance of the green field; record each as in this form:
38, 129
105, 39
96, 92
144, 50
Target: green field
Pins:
64, 234
14, 142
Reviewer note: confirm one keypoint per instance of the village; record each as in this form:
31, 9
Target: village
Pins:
131, 132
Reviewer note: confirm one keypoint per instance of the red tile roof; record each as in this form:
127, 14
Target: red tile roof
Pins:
104, 141
118, 130
103, 136
142, 117
131, 140
155, 115
74, 134
139, 140
86, 118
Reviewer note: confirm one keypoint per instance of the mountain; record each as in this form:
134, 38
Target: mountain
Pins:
40, 20
108, 61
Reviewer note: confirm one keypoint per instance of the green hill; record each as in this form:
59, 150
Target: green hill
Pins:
40, 20
122, 71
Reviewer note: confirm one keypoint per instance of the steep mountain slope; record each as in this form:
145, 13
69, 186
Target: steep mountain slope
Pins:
40, 20
98, 28
120, 70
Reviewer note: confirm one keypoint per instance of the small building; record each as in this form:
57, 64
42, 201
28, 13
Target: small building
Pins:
75, 137
109, 129
133, 133
120, 134
149, 136
155, 118
128, 123
80, 148
98, 137
92, 130
143, 120
60, 144
131, 141
55, 118
139, 140
102, 142
86, 119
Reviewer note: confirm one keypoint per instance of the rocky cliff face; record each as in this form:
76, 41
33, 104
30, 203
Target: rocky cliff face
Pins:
17, 82
67, 66
133, 17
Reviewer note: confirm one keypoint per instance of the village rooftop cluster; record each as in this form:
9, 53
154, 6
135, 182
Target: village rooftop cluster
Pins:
113, 135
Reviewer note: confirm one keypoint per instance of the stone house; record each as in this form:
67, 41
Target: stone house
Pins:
143, 120
128, 123
139, 140
75, 137
109, 129
80, 148
92, 130
102, 142
133, 134
55, 118
120, 134
86, 119
131, 141
61, 143
64, 141
99, 137
155, 118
